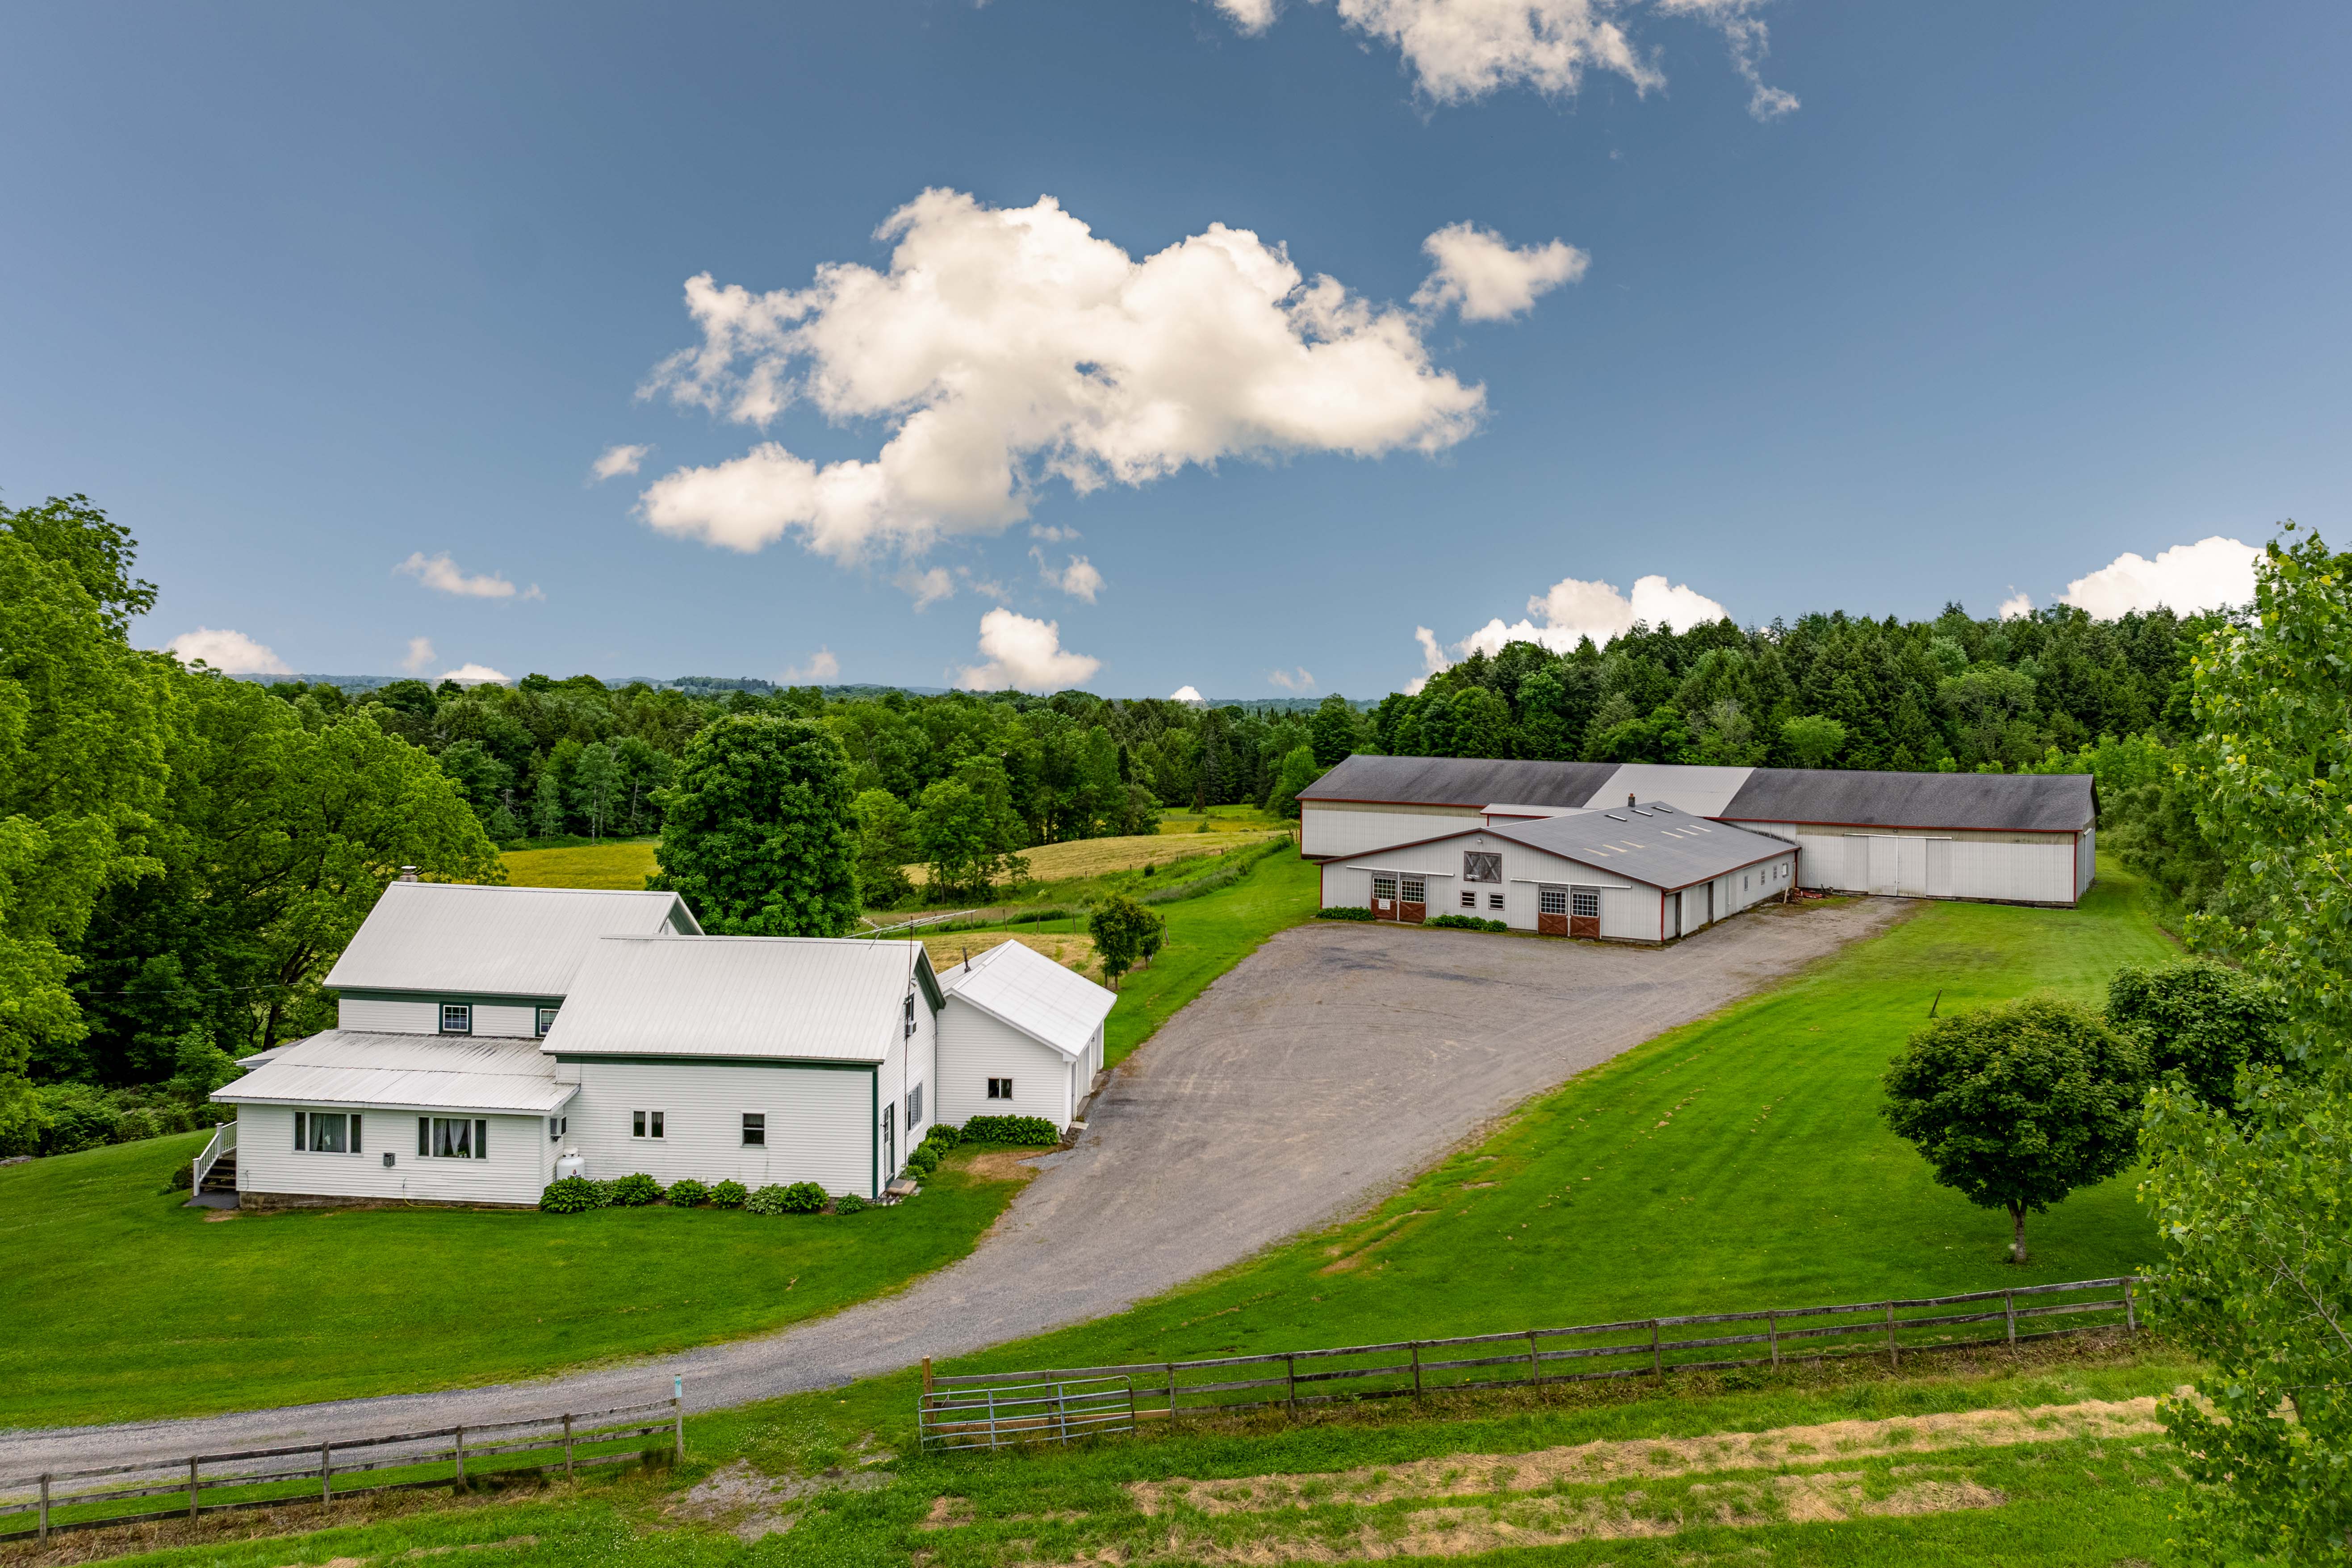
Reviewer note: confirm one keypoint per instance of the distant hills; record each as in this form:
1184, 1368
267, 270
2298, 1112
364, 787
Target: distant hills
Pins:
717, 685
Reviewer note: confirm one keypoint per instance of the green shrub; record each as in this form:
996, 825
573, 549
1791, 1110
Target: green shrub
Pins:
729, 1195
848, 1202
1343, 913
686, 1192
768, 1199
635, 1190
924, 1160
945, 1134
1026, 1130
1498, 925
573, 1195
604, 1191
805, 1197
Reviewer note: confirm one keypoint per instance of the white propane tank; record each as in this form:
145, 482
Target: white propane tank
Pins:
569, 1166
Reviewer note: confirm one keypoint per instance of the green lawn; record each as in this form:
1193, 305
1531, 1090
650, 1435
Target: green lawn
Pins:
1735, 1163
121, 1304
616, 863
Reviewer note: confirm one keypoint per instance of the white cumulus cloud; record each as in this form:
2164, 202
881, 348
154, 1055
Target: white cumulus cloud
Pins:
420, 656
1293, 680
821, 666
2188, 578
1463, 50
2017, 607
1479, 271
1010, 347
927, 587
1571, 610
1186, 694
232, 652
441, 574
616, 461
475, 675
1079, 579
1024, 653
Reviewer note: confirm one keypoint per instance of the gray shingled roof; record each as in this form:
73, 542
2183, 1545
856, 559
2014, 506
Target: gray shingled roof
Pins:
2017, 803
1473, 782
1651, 843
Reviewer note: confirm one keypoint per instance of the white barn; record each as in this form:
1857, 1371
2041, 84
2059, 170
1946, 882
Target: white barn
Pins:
1642, 873
2002, 838
487, 1034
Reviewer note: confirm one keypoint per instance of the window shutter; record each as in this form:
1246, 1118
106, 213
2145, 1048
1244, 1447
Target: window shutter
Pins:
299, 1130
356, 1134
424, 1136
481, 1140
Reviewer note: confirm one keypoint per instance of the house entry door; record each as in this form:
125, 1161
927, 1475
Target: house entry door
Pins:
889, 1142
1551, 911
1384, 897
1412, 899
1584, 912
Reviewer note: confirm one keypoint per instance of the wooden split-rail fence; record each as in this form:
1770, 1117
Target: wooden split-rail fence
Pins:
200, 1484
990, 1410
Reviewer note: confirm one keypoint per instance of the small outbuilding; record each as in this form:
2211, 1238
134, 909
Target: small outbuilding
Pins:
1019, 1035
1641, 873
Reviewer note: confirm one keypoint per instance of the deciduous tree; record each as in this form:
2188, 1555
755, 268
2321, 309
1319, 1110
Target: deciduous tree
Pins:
758, 833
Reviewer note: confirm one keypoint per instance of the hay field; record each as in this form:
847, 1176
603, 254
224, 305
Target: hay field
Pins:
622, 863
1070, 950
1098, 856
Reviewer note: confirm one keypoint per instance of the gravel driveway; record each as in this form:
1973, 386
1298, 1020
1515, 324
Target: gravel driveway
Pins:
1324, 1070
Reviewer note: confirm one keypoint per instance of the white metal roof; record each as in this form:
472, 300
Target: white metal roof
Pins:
425, 1072
783, 997
1702, 791
1023, 987
461, 939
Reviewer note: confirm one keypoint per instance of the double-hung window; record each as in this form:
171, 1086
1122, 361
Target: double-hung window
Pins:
755, 1130
644, 1123
914, 1108
452, 1138
1000, 1089
326, 1132
457, 1018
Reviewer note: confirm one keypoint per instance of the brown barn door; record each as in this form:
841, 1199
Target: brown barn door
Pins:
1412, 900
1584, 912
1551, 911
1384, 897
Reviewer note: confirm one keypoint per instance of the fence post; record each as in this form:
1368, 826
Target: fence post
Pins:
1535, 1361
45, 1508
1657, 1367
1171, 1394
460, 1450
2009, 1310
1891, 1358
927, 1375
1290, 1372
567, 1448
1772, 1332
677, 1410
2131, 1315
192, 1486
325, 1472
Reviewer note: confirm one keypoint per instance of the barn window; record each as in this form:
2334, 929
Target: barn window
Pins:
1586, 904
1000, 1089
457, 1018
1553, 900
644, 1123
1494, 901
1469, 899
755, 1130
1413, 891
1384, 886
1482, 866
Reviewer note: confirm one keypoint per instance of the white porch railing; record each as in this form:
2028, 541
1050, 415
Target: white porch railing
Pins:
223, 1142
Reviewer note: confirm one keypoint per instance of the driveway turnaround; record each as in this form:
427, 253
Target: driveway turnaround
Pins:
1326, 1068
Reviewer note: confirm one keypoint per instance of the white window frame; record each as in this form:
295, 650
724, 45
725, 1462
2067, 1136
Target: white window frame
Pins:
544, 1018
306, 1131
648, 1124
749, 1130
1546, 898
993, 1092
1578, 897
463, 1011
914, 1109
431, 1139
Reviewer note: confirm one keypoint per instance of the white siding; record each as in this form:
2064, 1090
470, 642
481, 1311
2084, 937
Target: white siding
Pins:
974, 1048
1629, 913
375, 1015
2017, 868
2086, 861
820, 1123
267, 1161
1342, 829
505, 1022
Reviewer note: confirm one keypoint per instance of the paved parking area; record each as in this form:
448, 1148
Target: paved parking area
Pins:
1327, 1066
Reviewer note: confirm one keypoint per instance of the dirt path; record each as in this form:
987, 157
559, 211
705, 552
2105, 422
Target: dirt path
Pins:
1332, 1063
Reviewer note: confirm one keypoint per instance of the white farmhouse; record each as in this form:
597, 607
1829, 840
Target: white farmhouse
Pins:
1645, 873
486, 1034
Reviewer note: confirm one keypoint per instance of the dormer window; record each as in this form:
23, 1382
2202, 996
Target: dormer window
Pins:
546, 1019
457, 1018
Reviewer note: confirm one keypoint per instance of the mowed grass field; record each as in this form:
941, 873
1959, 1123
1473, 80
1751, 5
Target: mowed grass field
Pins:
1098, 856
618, 863
122, 1305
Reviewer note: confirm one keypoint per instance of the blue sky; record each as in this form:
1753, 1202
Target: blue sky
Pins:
304, 294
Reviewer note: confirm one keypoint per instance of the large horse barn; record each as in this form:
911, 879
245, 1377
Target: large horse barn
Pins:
1648, 852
